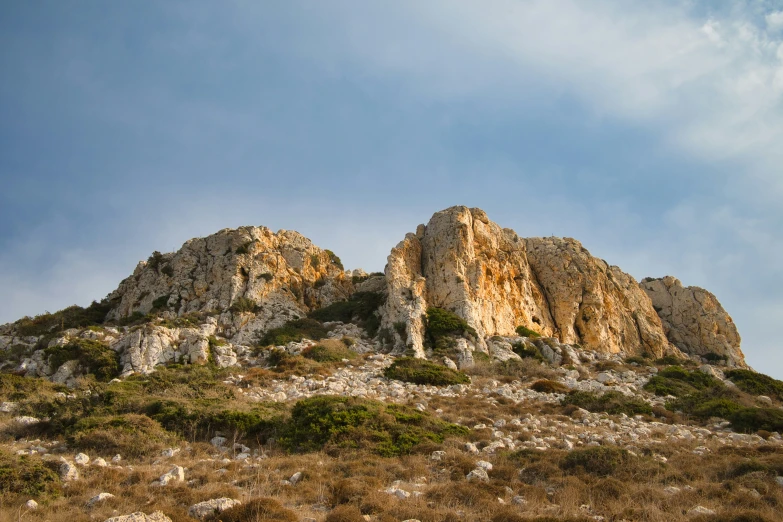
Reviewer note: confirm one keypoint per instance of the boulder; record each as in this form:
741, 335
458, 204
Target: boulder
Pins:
140, 517
208, 508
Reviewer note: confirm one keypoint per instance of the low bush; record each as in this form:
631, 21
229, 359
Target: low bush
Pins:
637, 359
71, 317
678, 381
715, 358
421, 371
756, 383
750, 420
527, 352
243, 304
27, 475
440, 322
329, 350
333, 259
94, 357
611, 402
716, 401
667, 360
598, 460
524, 331
294, 331
360, 308
351, 423
256, 509
130, 435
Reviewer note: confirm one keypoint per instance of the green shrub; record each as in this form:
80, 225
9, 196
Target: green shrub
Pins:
334, 259
669, 360
547, 386
71, 317
243, 304
161, 303
444, 322
329, 352
637, 359
598, 460
294, 331
756, 383
345, 422
527, 352
611, 402
360, 308
677, 381
713, 357
27, 475
716, 401
754, 419
524, 331
167, 270
135, 318
421, 371
154, 261
94, 357
130, 435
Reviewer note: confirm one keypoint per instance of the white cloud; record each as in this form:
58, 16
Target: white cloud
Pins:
775, 20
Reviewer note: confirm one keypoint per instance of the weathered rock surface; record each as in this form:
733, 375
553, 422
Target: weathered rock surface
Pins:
594, 304
215, 506
694, 320
140, 517
496, 281
283, 273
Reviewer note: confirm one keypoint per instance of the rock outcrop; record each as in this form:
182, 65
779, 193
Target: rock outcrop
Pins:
282, 274
694, 320
496, 281
594, 304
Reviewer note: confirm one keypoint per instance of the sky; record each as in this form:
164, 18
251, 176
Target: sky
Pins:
652, 131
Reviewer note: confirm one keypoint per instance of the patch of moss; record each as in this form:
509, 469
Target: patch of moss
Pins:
329, 352
421, 371
524, 331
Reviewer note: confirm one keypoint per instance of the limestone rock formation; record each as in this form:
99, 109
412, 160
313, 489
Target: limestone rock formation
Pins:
694, 320
594, 304
281, 273
496, 281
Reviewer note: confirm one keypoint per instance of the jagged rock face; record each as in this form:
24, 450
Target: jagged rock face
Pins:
694, 320
496, 281
592, 303
281, 271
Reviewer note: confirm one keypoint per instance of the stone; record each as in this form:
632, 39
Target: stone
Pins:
218, 442
694, 320
296, 477
483, 464
175, 474
68, 472
117, 458
26, 420
170, 452
81, 459
100, 497
208, 508
31, 504
700, 510
99, 462
478, 474
7, 407
157, 516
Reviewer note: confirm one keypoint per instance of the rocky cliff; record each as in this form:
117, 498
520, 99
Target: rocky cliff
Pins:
275, 276
215, 298
463, 262
694, 320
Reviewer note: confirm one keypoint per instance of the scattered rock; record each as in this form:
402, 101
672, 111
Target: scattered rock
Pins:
68, 472
100, 497
205, 509
478, 474
31, 505
140, 517
700, 510
81, 459
176, 474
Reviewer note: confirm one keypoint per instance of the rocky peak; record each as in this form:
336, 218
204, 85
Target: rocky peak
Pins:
240, 267
496, 281
694, 320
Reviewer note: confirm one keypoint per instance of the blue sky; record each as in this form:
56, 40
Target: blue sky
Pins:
650, 131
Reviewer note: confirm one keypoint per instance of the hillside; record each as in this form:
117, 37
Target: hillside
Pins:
482, 376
